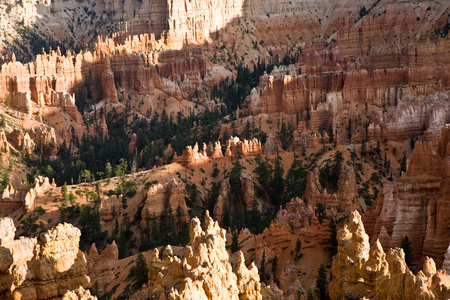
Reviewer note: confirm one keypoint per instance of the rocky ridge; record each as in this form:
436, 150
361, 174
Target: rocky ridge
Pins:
192, 156
204, 272
23, 196
363, 271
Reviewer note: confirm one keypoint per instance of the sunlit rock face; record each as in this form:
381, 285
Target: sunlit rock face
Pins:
41, 268
205, 272
363, 271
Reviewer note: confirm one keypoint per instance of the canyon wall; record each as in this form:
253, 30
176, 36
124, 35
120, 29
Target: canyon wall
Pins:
293, 91
350, 62
416, 204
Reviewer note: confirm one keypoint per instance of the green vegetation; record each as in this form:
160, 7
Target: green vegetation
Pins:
406, 245
298, 248
322, 283
139, 272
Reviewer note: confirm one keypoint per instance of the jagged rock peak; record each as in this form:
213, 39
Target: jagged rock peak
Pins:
360, 271
205, 271
44, 268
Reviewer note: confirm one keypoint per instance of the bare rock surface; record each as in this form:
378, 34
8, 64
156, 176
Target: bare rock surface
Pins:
205, 271
42, 268
363, 271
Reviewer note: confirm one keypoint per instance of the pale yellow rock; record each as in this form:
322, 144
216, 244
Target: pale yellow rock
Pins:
41, 268
205, 271
362, 272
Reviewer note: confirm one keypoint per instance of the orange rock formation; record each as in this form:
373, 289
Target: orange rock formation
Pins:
99, 266
192, 156
161, 197
416, 204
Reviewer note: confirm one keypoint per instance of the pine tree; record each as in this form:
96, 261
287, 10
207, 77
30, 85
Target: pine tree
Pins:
262, 268
296, 180
403, 163
311, 295
322, 283
64, 193
321, 212
263, 172
406, 245
298, 248
140, 270
349, 129
235, 241
331, 133
277, 183
171, 226
235, 181
108, 170
333, 236
274, 269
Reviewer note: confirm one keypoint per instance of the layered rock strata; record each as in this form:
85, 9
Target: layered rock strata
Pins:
416, 204
43, 268
361, 271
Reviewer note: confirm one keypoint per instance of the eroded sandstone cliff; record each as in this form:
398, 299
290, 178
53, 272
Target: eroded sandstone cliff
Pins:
363, 271
204, 272
41, 268
416, 204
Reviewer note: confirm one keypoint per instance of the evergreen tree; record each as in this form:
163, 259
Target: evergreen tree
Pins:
336, 170
285, 135
194, 201
262, 268
140, 271
333, 236
156, 234
235, 181
263, 172
403, 163
320, 212
64, 193
235, 241
363, 148
331, 133
298, 248
322, 283
277, 183
406, 245
274, 269
311, 295
296, 180
227, 218
349, 129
